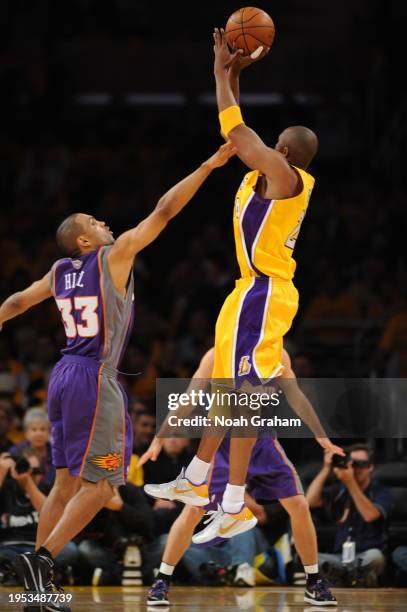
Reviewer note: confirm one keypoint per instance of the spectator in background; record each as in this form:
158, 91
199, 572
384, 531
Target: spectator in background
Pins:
37, 434
22, 496
138, 407
10, 374
360, 509
142, 362
40, 370
143, 429
6, 423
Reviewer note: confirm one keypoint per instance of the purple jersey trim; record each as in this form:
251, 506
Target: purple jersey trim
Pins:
253, 217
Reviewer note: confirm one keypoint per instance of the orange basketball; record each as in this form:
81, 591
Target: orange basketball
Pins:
249, 28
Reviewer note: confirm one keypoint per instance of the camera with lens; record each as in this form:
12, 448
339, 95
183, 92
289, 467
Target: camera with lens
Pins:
342, 462
22, 465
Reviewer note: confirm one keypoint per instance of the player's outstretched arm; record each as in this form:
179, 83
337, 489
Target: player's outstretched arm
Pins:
21, 301
250, 147
170, 204
303, 407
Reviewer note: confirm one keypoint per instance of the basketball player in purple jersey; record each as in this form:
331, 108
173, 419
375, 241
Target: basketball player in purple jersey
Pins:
91, 428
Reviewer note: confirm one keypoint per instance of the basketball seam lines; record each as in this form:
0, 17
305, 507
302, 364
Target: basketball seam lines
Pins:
255, 38
252, 17
247, 21
251, 27
244, 35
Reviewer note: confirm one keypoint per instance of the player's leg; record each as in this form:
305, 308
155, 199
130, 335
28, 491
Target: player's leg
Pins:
80, 510
179, 539
94, 449
257, 357
256, 331
240, 453
305, 537
66, 484
95, 440
64, 489
317, 590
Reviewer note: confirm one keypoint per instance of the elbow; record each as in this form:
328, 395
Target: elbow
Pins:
238, 142
163, 209
371, 517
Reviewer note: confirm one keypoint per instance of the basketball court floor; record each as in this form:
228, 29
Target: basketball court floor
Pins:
191, 599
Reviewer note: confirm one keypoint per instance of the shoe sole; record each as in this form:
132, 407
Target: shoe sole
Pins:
245, 526
157, 604
197, 501
319, 603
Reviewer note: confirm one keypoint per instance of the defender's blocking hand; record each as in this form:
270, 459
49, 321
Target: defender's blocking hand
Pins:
222, 156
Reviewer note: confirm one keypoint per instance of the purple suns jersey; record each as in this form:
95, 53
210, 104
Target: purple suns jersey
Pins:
97, 320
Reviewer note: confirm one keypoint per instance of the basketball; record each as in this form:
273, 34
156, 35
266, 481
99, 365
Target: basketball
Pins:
248, 29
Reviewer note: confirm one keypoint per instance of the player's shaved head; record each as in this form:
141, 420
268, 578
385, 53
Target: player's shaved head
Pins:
300, 145
67, 234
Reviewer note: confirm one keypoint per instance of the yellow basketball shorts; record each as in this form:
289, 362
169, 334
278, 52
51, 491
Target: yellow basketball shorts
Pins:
250, 330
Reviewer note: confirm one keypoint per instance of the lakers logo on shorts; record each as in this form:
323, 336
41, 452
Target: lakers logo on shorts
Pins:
244, 366
110, 462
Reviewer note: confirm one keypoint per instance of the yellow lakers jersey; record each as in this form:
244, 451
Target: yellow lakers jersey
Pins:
266, 230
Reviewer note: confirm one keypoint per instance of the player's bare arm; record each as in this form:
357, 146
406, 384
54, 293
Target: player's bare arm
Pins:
126, 247
241, 62
198, 381
21, 301
303, 407
284, 180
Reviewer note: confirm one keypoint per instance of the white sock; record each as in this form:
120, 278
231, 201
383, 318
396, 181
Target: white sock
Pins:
166, 569
197, 471
233, 498
311, 569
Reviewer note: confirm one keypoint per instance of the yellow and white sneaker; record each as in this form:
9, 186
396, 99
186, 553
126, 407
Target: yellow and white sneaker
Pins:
225, 525
180, 489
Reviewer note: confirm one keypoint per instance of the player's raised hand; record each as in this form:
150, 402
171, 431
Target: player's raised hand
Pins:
223, 57
243, 61
152, 452
328, 446
222, 156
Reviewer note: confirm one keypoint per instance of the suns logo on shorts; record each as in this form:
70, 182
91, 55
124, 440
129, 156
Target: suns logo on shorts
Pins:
109, 462
244, 366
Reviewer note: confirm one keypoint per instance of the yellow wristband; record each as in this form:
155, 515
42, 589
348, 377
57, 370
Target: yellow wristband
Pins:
230, 118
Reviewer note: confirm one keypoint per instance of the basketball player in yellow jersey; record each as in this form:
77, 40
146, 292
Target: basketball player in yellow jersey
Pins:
269, 208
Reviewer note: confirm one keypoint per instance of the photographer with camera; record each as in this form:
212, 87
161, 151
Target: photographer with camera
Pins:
22, 495
360, 508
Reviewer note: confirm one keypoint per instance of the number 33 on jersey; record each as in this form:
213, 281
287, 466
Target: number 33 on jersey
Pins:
96, 318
